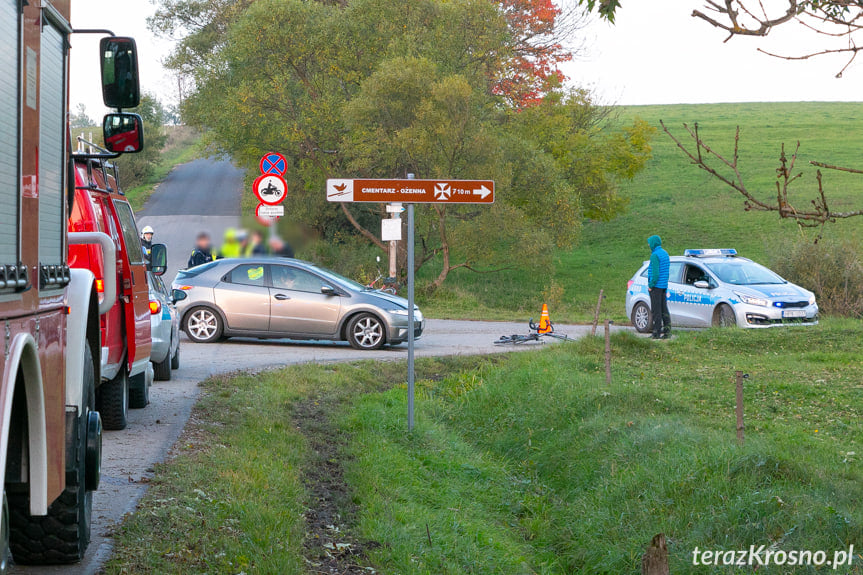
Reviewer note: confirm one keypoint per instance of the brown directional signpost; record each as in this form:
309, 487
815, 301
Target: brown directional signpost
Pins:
411, 191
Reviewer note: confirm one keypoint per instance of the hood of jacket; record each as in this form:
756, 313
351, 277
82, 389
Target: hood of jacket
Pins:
654, 242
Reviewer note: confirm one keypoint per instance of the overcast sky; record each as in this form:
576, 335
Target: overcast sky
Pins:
656, 53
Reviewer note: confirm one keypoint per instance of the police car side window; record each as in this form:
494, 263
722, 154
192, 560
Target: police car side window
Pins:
675, 269
248, 275
695, 274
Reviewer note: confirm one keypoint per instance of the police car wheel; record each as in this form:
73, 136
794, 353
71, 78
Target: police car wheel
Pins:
641, 317
724, 316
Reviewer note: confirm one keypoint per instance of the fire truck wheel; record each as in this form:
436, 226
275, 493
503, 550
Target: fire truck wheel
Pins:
61, 536
5, 554
114, 402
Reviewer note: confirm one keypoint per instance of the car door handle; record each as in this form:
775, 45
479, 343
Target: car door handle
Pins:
281, 297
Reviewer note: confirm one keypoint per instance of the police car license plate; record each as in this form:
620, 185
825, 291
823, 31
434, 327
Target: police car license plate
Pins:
794, 313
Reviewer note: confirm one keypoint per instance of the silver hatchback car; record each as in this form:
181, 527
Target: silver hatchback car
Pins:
719, 288
288, 298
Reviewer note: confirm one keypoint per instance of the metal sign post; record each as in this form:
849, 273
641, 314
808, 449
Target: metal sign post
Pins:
411, 374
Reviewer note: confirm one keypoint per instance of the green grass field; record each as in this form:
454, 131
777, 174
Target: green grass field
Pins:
528, 463
685, 206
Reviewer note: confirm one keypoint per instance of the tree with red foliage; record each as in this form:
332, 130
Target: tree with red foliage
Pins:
538, 29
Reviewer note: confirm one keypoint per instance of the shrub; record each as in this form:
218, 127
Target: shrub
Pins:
831, 269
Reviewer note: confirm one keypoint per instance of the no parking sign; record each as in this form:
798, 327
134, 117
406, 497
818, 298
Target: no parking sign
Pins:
274, 163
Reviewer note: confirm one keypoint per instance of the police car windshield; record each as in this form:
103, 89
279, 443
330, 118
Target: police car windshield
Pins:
743, 273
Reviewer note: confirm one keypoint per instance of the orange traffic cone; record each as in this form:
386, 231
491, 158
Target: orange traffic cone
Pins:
544, 321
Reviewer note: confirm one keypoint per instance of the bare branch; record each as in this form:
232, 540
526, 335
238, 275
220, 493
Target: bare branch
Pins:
728, 172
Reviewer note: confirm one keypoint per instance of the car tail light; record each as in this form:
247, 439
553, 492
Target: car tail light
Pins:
629, 284
155, 307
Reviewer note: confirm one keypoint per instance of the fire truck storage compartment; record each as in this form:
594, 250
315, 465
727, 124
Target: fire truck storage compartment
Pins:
52, 142
9, 131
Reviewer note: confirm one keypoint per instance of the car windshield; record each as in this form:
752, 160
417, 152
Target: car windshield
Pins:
740, 272
340, 279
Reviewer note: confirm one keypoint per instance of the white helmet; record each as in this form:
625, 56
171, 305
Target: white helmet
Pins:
147, 230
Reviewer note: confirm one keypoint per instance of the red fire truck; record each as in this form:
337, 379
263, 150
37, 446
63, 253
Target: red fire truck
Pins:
50, 432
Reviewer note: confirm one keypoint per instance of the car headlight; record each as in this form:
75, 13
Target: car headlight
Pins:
812, 299
418, 316
752, 300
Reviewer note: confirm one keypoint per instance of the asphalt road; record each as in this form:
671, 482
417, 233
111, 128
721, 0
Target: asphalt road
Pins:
205, 194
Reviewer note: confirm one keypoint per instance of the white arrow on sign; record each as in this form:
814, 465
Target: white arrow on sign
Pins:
482, 192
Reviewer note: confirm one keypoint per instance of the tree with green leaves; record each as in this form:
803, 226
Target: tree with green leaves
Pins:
135, 168
376, 88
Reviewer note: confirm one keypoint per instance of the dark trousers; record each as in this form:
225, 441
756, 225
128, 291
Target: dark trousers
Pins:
659, 311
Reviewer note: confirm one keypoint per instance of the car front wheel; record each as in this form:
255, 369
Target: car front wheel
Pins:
203, 325
367, 332
641, 317
724, 316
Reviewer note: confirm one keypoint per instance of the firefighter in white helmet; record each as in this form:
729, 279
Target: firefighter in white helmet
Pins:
147, 241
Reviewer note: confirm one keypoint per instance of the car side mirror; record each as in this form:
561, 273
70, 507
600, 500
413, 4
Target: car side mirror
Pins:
123, 133
120, 84
328, 290
158, 259
178, 295
701, 284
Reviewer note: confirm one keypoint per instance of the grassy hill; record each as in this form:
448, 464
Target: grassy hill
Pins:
686, 206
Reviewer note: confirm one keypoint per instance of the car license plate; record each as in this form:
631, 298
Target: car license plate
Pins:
794, 313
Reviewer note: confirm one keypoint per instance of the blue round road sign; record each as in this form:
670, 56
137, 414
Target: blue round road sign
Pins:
274, 163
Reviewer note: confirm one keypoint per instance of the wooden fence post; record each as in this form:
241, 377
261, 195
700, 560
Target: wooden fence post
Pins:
596, 314
655, 558
607, 351
739, 376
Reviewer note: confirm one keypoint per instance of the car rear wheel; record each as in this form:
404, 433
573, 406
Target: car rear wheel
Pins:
139, 389
113, 402
175, 359
724, 316
641, 317
203, 325
366, 331
162, 369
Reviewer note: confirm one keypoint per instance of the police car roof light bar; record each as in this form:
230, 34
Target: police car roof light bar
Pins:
710, 253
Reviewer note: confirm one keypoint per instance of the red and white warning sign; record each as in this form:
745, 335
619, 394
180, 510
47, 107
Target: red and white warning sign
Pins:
271, 189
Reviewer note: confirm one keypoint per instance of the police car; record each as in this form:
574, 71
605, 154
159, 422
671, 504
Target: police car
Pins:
716, 287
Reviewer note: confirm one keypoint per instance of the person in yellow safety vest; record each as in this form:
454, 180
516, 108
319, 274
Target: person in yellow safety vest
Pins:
254, 245
231, 248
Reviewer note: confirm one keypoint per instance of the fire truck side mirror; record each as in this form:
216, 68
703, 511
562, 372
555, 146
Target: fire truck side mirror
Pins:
120, 87
158, 259
123, 133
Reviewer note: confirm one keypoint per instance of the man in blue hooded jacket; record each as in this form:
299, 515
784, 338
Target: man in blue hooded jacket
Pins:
657, 284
